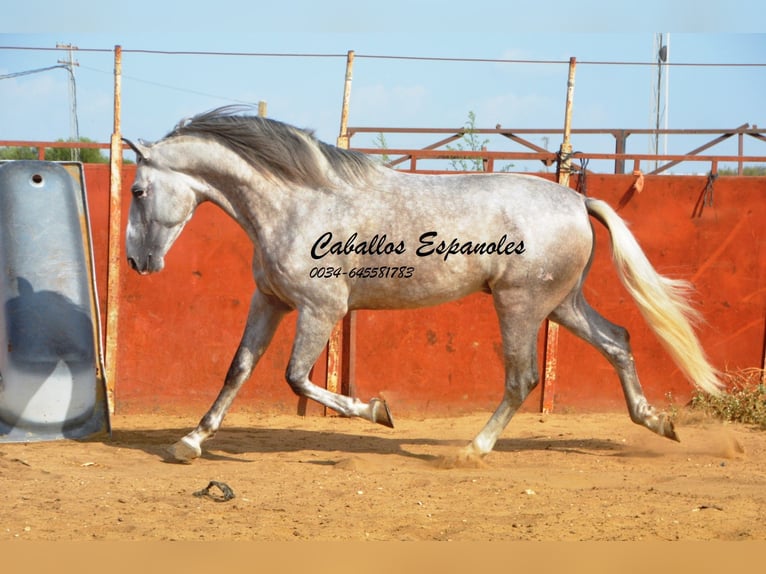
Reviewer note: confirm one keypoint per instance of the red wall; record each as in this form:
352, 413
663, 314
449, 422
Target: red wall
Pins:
179, 329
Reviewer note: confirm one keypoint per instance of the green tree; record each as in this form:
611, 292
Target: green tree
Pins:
86, 155
18, 153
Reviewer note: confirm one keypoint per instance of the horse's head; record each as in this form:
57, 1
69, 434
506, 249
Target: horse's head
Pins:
163, 202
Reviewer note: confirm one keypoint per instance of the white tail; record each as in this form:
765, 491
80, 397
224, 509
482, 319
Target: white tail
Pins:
662, 301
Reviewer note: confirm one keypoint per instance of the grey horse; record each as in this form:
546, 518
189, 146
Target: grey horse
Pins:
335, 231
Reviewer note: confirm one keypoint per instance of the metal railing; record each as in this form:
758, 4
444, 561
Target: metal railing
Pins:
439, 150
396, 157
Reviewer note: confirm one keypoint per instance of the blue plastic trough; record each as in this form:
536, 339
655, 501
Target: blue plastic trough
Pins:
51, 369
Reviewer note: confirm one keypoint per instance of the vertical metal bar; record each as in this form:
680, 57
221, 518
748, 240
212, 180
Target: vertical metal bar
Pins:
763, 360
115, 223
343, 137
619, 148
565, 153
348, 382
335, 345
551, 364
740, 150
334, 348
552, 328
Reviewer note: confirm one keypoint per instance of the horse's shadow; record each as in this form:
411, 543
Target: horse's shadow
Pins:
237, 443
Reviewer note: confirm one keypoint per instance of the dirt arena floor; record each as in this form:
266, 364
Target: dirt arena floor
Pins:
594, 477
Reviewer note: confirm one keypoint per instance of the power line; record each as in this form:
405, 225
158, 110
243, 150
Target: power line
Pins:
74, 124
29, 72
43, 49
169, 87
244, 54
404, 58
558, 62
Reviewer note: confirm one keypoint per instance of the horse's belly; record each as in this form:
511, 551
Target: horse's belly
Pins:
409, 296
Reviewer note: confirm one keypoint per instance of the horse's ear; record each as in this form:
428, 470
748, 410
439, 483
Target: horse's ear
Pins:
141, 148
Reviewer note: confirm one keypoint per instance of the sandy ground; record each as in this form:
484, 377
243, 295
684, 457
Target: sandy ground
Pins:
594, 477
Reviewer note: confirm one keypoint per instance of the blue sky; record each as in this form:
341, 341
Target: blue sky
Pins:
158, 90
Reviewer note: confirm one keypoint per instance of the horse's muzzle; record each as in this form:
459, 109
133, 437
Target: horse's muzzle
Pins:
146, 269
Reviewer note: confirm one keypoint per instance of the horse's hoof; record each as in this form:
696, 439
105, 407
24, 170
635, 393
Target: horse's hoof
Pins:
380, 413
184, 451
667, 429
662, 424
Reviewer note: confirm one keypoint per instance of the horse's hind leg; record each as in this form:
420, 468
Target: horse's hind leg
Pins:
518, 328
312, 332
262, 322
613, 342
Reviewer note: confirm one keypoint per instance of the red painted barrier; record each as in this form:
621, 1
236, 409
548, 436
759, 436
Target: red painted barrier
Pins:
179, 329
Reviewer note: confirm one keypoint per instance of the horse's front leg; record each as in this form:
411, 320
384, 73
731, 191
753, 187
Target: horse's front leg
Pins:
262, 322
312, 332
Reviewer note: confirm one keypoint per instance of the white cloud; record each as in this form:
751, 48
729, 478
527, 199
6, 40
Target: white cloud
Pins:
519, 110
32, 105
388, 105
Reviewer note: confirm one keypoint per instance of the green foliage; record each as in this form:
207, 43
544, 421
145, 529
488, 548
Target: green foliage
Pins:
469, 142
380, 143
18, 153
85, 155
744, 402
472, 142
754, 170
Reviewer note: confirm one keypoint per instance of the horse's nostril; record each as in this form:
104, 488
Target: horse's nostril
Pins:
133, 264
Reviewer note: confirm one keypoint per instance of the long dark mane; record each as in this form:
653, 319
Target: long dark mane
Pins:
275, 148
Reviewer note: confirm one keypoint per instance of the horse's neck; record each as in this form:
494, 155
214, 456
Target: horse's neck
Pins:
231, 183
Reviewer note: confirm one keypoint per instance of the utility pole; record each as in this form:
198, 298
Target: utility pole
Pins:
660, 111
74, 127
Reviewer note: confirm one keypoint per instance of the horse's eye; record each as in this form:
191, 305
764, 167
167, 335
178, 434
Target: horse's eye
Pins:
138, 191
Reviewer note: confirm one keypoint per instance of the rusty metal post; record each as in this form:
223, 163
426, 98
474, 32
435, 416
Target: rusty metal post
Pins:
115, 223
334, 348
552, 328
740, 152
763, 361
342, 335
565, 152
343, 136
620, 137
348, 369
